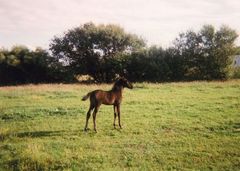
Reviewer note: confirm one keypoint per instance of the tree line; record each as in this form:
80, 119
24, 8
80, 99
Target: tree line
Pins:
105, 52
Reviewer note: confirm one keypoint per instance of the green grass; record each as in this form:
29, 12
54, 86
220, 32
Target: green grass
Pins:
172, 126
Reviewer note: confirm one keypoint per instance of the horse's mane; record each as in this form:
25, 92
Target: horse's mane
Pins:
116, 85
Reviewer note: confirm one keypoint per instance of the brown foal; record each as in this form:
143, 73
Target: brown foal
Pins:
111, 97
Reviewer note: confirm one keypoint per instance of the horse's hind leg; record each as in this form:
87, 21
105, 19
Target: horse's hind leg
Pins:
88, 116
94, 116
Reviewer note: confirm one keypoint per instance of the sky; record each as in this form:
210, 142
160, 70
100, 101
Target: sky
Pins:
35, 22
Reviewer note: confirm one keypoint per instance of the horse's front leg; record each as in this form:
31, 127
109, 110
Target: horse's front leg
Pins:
119, 116
115, 115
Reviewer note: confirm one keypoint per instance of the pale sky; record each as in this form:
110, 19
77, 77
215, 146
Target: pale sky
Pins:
35, 22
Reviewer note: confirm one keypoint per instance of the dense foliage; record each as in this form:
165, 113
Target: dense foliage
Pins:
89, 49
106, 51
208, 53
21, 65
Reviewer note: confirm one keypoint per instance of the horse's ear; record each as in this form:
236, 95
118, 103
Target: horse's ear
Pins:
119, 77
122, 77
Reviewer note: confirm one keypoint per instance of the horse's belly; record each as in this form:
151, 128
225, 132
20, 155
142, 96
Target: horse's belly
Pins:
108, 102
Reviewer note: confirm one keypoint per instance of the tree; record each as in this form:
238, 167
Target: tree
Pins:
175, 62
148, 65
207, 53
86, 49
21, 65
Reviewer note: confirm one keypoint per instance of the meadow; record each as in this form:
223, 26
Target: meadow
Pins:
169, 126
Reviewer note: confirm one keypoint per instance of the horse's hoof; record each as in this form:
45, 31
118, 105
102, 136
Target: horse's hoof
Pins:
86, 129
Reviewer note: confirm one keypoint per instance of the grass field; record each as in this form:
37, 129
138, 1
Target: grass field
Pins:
172, 126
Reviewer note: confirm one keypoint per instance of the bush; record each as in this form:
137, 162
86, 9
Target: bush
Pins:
235, 73
21, 65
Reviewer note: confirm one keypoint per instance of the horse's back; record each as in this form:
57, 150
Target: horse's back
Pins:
103, 97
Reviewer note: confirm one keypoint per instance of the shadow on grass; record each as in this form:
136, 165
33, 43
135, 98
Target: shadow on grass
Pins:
36, 134
61, 133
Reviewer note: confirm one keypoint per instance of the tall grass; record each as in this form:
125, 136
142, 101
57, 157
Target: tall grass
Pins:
171, 126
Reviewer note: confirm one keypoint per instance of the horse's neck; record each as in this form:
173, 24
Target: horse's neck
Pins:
118, 90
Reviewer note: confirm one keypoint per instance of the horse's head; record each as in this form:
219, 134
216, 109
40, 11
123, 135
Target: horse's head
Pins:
124, 83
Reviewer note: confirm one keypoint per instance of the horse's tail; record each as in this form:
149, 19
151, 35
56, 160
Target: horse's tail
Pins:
86, 96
